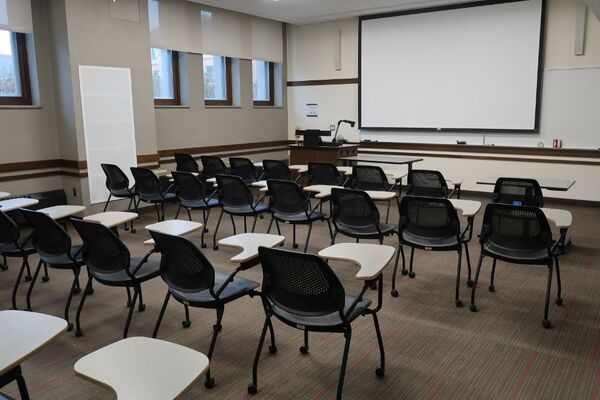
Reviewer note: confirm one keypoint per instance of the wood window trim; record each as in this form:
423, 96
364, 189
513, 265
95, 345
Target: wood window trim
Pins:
176, 100
271, 101
229, 83
25, 99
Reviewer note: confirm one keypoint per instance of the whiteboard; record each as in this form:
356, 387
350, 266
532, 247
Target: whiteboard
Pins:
108, 125
474, 67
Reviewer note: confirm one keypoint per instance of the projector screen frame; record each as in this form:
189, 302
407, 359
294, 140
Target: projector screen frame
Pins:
479, 3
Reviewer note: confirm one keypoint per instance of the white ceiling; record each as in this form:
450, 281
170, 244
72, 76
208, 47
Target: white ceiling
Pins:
310, 11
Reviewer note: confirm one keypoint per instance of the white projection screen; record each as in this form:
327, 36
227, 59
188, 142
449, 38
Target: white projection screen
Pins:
457, 68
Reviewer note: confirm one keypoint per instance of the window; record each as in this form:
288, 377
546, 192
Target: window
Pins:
15, 87
217, 80
165, 76
263, 87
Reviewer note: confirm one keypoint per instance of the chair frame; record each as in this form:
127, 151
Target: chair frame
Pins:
131, 190
160, 211
181, 158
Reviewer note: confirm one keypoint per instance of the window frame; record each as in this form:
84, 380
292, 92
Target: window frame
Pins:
176, 100
228, 81
25, 99
271, 101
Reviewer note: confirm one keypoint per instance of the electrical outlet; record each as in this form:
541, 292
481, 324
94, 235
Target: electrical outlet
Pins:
74, 192
332, 127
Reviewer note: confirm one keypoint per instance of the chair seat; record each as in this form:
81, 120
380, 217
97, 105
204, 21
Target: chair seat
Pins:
332, 319
199, 204
438, 243
64, 261
157, 198
300, 217
150, 270
246, 210
237, 288
517, 256
365, 230
11, 250
122, 193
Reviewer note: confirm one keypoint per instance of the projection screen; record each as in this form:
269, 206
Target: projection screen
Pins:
455, 68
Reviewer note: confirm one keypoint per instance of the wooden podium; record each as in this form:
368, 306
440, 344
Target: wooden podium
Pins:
303, 155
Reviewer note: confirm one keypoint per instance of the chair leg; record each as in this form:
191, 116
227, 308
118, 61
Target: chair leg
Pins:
400, 251
304, 348
473, 307
187, 323
277, 226
559, 300
125, 226
157, 212
215, 247
546, 322
4, 265
141, 306
78, 331
253, 386
209, 382
28, 276
245, 225
189, 214
273, 346
18, 281
380, 372
233, 224
457, 299
468, 257
71, 293
270, 224
46, 278
329, 226
178, 210
204, 230
347, 336
161, 314
387, 215
308, 237
107, 201
35, 275
128, 297
136, 291
22, 385
294, 244
333, 237
411, 273
492, 287
254, 222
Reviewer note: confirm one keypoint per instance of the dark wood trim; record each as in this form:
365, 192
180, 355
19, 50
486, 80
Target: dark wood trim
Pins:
176, 100
320, 82
20, 177
25, 80
223, 148
271, 101
229, 82
146, 158
42, 164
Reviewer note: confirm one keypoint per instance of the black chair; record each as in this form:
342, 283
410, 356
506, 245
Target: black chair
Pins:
54, 246
431, 224
212, 166
303, 292
324, 174
186, 163
519, 235
13, 246
192, 280
371, 177
236, 200
244, 168
117, 184
192, 195
426, 183
110, 263
276, 169
518, 191
290, 205
149, 190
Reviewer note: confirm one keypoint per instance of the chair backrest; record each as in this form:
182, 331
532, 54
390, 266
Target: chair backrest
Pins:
516, 227
518, 191
103, 251
146, 182
183, 267
233, 192
186, 163
212, 166
300, 283
276, 169
244, 168
353, 208
369, 177
286, 197
323, 174
49, 238
9, 231
189, 186
115, 177
426, 183
429, 217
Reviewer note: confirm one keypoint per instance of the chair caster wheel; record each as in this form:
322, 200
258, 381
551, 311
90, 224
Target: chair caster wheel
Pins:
186, 324
394, 293
459, 303
412, 275
3, 267
272, 349
45, 278
27, 279
205, 230
142, 307
380, 372
203, 245
215, 248
70, 327
492, 288
473, 308
133, 231
295, 245
559, 302
78, 333
217, 328
252, 389
304, 349
404, 272
90, 291
76, 290
126, 228
470, 283
209, 383
547, 324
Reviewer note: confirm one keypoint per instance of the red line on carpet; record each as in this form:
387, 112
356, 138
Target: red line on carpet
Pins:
595, 385
435, 390
594, 348
523, 375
